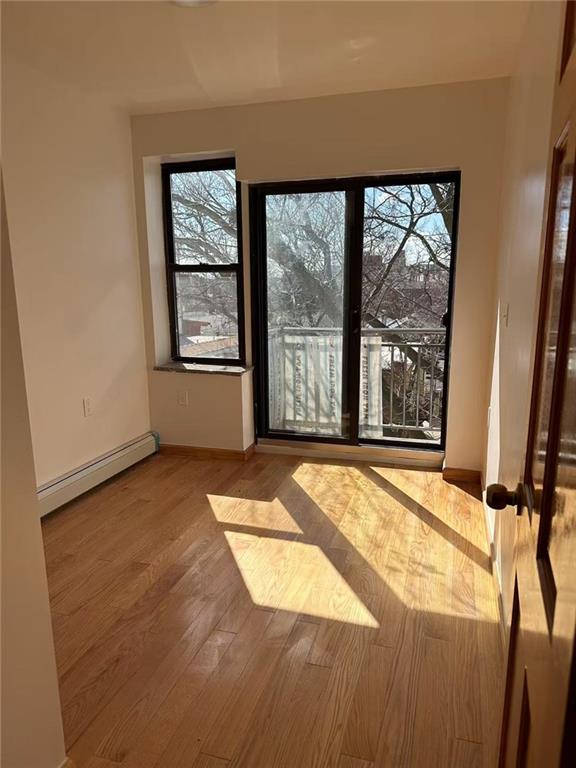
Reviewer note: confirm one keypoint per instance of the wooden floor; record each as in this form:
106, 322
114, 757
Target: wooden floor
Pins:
277, 612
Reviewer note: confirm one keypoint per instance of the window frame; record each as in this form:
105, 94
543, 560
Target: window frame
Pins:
173, 268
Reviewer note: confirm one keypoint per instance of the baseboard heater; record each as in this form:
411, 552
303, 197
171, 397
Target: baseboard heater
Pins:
63, 489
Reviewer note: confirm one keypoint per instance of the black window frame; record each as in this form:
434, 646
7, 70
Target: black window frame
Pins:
173, 268
354, 187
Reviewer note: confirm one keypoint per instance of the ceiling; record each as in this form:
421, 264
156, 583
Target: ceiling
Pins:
152, 56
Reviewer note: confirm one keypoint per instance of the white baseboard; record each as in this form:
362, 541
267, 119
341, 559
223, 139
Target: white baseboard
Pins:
63, 489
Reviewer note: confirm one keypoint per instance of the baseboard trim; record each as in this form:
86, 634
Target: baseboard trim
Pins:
455, 475
63, 489
498, 588
425, 460
495, 569
168, 449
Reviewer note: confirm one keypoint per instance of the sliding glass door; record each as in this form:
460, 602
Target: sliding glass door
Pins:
352, 307
305, 312
406, 280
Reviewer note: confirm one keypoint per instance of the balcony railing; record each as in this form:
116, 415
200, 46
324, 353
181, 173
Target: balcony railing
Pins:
401, 382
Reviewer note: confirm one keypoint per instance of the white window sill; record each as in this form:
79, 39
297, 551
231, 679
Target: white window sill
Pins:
222, 370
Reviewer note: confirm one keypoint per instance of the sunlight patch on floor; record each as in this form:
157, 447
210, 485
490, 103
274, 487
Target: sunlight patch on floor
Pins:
297, 577
272, 515
436, 577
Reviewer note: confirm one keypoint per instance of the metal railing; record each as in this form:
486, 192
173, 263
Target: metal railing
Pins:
411, 361
401, 381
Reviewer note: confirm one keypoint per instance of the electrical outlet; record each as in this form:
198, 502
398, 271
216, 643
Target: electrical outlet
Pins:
87, 406
182, 397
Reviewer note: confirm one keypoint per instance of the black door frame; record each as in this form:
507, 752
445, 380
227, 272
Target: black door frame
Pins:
354, 188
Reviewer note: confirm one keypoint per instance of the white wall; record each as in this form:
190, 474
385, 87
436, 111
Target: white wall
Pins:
69, 193
516, 299
218, 414
69, 196
436, 127
32, 735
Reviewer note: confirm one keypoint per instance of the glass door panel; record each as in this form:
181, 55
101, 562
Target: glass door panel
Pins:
406, 278
304, 263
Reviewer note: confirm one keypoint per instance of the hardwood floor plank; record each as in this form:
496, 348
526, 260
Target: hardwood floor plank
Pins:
153, 483
104, 501
490, 661
261, 740
346, 761
132, 703
182, 551
348, 611
86, 627
396, 736
465, 683
228, 733
188, 739
144, 697
337, 697
432, 734
199, 690
75, 575
136, 638
237, 613
208, 761
296, 739
275, 613
368, 705
390, 612
98, 762
99, 581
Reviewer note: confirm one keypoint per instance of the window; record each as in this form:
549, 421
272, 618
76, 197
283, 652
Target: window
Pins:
204, 261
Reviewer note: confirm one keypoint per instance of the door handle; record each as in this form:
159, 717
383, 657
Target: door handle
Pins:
499, 497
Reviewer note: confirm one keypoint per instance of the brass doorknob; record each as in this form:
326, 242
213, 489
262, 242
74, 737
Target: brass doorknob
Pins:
499, 497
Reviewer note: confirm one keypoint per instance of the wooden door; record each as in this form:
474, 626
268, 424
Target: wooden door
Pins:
539, 719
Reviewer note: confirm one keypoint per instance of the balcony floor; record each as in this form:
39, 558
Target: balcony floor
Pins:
275, 612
